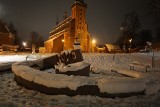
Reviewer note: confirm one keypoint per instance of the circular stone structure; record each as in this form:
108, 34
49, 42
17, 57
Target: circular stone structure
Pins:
33, 75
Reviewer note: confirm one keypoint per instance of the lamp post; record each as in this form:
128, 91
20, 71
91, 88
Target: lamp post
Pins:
130, 41
24, 44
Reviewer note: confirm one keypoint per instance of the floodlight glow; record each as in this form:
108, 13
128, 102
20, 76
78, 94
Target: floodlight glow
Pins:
24, 44
130, 40
93, 41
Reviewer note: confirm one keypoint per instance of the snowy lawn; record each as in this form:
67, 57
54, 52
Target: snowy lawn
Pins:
105, 66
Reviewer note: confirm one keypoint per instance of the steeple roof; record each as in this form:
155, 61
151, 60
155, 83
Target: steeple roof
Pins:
4, 27
79, 1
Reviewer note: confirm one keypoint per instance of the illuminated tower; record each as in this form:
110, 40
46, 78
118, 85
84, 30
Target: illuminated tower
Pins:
81, 29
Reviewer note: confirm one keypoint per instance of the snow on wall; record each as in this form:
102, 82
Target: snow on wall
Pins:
49, 79
126, 85
25, 72
73, 82
57, 81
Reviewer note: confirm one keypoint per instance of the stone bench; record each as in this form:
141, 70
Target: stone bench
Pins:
138, 65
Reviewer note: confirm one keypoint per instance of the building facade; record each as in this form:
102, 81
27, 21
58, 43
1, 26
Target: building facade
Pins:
72, 29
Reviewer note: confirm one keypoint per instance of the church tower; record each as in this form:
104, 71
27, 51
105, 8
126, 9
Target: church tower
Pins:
79, 13
81, 34
72, 30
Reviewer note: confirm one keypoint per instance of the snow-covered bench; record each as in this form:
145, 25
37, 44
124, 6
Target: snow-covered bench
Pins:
139, 66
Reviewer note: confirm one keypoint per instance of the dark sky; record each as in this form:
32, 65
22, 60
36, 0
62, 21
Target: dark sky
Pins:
104, 17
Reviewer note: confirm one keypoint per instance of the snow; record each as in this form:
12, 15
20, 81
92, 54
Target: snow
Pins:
57, 81
20, 57
127, 85
121, 81
12, 95
71, 67
48, 79
12, 58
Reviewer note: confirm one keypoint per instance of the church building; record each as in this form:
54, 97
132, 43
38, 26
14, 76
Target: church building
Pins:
70, 31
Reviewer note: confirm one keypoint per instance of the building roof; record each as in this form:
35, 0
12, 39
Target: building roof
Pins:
4, 30
61, 26
111, 47
79, 1
3, 27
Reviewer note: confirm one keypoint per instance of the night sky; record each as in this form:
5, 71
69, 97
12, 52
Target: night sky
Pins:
104, 17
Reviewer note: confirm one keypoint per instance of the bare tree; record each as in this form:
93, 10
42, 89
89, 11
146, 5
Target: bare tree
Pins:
130, 28
36, 40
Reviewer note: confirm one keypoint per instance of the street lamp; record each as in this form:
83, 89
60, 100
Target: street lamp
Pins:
93, 44
130, 45
24, 44
93, 41
130, 42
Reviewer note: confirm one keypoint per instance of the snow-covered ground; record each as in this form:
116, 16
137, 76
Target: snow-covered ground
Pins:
104, 64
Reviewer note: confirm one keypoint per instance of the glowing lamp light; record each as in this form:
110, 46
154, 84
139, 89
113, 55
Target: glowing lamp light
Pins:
93, 41
62, 40
130, 40
24, 44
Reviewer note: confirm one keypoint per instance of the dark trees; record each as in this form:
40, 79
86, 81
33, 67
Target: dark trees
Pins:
155, 7
36, 40
143, 37
155, 11
130, 28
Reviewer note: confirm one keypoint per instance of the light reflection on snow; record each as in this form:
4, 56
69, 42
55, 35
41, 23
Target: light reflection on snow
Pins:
12, 58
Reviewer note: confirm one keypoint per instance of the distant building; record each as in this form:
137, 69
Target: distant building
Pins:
6, 37
72, 29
